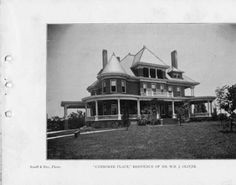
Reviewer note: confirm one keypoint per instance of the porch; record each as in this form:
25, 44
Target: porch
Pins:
113, 109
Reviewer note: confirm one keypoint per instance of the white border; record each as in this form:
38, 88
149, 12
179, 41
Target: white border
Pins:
23, 25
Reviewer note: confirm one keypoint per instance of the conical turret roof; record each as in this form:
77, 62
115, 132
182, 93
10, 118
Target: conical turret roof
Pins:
113, 66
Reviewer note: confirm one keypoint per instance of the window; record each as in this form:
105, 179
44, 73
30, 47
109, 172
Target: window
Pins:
160, 74
169, 89
153, 87
113, 109
123, 86
162, 88
145, 72
144, 88
113, 85
104, 86
178, 89
153, 73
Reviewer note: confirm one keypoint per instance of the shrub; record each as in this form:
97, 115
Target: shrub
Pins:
223, 117
55, 123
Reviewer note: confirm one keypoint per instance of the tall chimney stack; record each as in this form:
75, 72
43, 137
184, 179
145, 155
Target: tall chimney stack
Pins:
174, 60
104, 58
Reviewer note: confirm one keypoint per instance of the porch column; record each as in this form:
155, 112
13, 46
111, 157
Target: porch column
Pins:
119, 115
192, 91
189, 110
192, 108
138, 108
173, 110
65, 118
156, 73
149, 74
211, 107
209, 111
96, 112
86, 107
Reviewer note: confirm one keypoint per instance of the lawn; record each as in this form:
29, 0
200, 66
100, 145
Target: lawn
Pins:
199, 140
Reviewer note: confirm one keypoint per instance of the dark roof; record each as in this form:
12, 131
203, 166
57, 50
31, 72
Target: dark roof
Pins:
73, 104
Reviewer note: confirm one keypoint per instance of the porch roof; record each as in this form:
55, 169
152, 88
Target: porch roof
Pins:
202, 99
73, 104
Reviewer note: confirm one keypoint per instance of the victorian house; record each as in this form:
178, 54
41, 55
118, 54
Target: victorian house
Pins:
141, 82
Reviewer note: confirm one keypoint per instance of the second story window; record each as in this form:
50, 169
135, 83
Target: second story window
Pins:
154, 87
145, 72
153, 73
123, 86
113, 85
144, 88
170, 89
104, 86
178, 91
161, 88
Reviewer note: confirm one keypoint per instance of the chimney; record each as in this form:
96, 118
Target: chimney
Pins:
174, 61
104, 58
118, 58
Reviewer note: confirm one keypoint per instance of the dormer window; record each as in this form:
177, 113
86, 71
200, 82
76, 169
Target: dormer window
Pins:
104, 86
113, 85
123, 86
160, 74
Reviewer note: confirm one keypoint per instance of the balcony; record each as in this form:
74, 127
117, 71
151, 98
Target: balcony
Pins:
159, 93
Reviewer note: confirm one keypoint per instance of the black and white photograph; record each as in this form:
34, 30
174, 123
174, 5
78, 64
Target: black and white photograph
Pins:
141, 91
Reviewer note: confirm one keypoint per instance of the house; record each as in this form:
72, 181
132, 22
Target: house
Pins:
140, 83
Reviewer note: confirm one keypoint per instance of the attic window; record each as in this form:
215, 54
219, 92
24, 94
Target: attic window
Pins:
160, 74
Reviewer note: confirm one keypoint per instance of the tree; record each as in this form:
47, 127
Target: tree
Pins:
182, 110
226, 100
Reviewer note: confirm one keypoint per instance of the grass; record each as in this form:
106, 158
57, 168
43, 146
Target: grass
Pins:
199, 140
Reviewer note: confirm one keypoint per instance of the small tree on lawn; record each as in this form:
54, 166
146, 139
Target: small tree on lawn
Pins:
226, 99
181, 111
221, 93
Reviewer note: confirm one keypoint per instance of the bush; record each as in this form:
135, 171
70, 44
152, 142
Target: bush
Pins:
223, 117
55, 123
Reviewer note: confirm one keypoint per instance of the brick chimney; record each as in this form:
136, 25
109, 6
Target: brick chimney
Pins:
104, 58
174, 60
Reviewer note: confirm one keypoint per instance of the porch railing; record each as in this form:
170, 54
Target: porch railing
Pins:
109, 117
199, 114
151, 92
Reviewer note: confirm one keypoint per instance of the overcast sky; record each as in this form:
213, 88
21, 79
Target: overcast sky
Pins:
206, 52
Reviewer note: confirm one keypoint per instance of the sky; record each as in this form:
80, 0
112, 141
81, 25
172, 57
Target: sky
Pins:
206, 52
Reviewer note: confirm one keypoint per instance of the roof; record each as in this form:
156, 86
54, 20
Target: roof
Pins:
146, 56
73, 104
126, 63
113, 66
93, 85
174, 69
202, 98
184, 79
